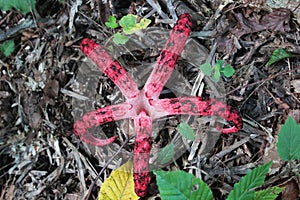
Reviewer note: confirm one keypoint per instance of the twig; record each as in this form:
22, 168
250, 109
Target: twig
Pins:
261, 81
105, 166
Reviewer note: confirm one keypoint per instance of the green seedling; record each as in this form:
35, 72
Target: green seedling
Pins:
129, 24
217, 71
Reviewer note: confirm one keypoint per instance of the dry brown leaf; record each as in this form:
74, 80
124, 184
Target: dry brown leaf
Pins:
296, 84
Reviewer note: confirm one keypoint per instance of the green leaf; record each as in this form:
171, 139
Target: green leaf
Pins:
130, 25
244, 189
166, 154
219, 64
7, 47
206, 69
144, 23
180, 185
118, 38
227, 71
277, 55
288, 140
112, 22
24, 6
186, 131
268, 194
216, 76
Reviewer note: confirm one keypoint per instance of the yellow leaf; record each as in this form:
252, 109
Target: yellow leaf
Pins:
119, 185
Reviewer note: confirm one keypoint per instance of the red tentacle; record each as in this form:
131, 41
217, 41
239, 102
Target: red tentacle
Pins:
142, 148
99, 117
198, 107
111, 68
166, 61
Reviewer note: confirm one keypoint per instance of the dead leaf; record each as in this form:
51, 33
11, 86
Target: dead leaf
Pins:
291, 191
231, 32
296, 84
119, 185
51, 88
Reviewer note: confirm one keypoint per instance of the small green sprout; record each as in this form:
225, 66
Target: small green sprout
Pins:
218, 70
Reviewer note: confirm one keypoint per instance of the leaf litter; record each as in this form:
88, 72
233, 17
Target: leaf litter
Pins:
40, 157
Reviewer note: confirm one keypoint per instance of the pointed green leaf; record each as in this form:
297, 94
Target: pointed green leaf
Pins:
244, 189
7, 47
206, 69
277, 55
288, 140
186, 131
227, 71
166, 154
118, 38
268, 194
112, 22
180, 185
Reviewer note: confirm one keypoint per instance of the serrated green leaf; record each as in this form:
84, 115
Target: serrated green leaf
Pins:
227, 71
7, 47
288, 140
24, 6
118, 38
186, 131
166, 154
277, 55
206, 69
244, 189
112, 22
268, 194
180, 185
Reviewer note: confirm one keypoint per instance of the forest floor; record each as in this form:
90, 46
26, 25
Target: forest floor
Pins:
47, 83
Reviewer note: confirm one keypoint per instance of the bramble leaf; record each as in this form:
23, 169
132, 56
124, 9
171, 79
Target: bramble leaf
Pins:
206, 69
112, 22
244, 189
288, 140
277, 55
268, 194
166, 154
186, 131
7, 47
119, 185
227, 71
24, 6
118, 38
181, 185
